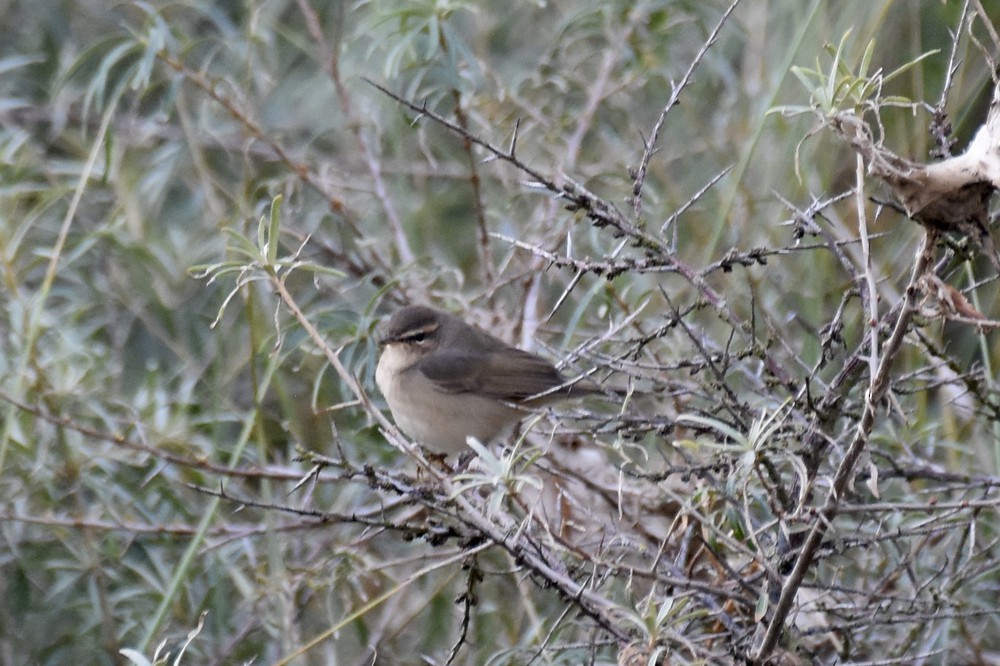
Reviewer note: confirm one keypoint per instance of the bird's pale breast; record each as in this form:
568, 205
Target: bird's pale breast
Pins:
437, 419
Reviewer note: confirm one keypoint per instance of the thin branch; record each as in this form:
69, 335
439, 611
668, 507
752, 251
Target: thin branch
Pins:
650, 145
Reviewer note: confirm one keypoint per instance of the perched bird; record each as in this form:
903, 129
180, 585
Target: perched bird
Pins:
445, 380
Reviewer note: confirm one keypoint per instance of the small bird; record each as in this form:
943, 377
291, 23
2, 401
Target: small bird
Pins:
445, 380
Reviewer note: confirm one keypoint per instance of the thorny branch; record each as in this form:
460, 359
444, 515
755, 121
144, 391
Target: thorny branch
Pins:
875, 395
605, 214
675, 95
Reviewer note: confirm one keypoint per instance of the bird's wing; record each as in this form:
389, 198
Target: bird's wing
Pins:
512, 374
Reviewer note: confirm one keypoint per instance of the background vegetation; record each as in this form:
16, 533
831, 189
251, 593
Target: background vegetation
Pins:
191, 436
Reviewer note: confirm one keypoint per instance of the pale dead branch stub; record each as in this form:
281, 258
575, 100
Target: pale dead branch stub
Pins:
951, 196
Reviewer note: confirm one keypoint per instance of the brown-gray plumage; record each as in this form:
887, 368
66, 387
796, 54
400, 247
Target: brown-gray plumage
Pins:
445, 380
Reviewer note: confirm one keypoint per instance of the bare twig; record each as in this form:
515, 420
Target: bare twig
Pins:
650, 147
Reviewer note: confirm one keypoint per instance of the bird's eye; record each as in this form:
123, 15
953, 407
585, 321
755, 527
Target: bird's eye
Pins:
418, 337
